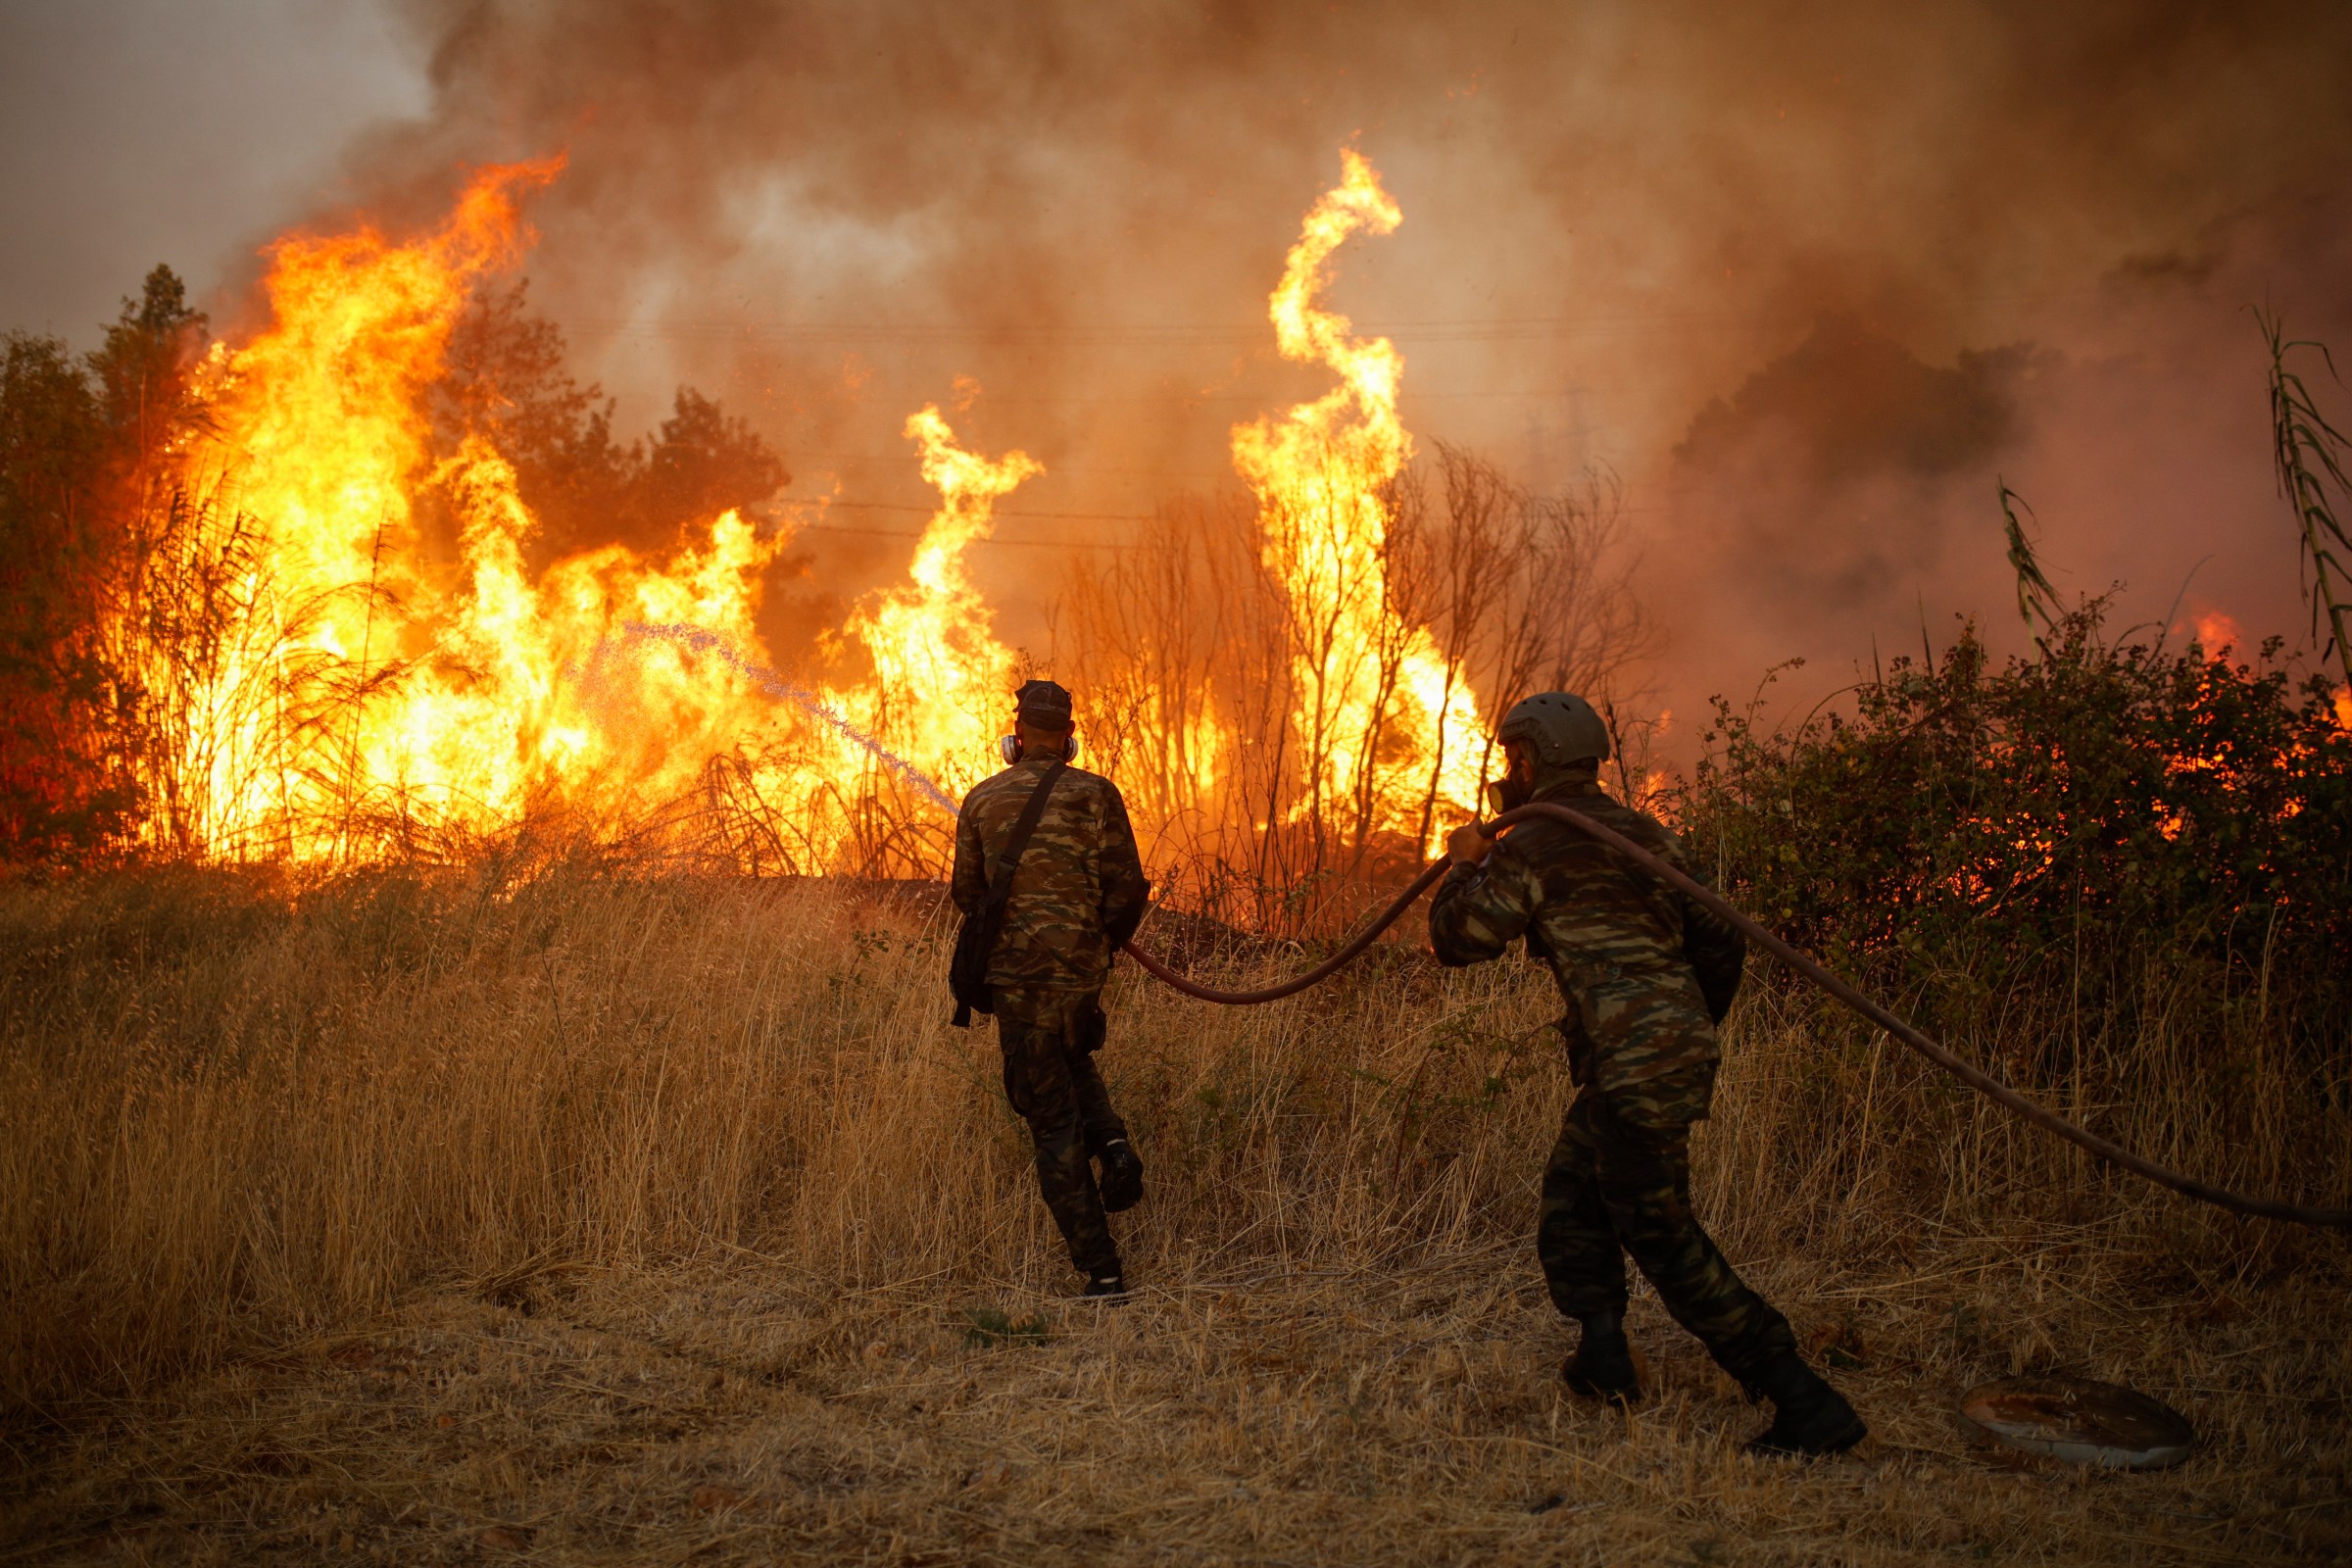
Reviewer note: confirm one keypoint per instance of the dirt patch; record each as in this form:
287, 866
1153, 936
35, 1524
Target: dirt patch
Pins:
1403, 1414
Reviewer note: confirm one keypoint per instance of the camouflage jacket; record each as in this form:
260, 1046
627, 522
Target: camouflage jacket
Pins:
1079, 892
1646, 972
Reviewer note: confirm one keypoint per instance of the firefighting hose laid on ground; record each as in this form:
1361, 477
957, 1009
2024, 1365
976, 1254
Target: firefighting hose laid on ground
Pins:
2001, 1093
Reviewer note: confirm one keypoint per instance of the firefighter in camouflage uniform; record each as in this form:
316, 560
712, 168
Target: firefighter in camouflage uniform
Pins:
1077, 894
1647, 974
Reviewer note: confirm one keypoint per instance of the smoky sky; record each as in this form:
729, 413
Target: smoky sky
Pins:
138, 132
1811, 279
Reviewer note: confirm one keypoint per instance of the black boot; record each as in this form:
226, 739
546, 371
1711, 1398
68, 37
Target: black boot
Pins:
1111, 1284
1122, 1184
1603, 1367
1809, 1418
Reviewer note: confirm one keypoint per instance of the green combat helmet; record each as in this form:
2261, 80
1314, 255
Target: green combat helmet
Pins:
1560, 729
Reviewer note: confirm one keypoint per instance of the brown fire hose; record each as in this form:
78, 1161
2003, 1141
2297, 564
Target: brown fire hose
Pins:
1811, 969
1319, 973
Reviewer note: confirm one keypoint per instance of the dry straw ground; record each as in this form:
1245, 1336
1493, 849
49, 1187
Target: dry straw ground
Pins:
581, 1217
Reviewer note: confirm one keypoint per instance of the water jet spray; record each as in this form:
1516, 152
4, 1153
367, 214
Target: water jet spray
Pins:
704, 641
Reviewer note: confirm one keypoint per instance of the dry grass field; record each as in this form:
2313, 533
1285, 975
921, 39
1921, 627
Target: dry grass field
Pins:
560, 1213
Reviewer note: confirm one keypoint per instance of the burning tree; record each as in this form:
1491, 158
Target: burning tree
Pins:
1291, 686
385, 582
86, 461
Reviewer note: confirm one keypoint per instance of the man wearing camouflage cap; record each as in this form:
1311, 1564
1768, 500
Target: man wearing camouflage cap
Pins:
1647, 974
1076, 894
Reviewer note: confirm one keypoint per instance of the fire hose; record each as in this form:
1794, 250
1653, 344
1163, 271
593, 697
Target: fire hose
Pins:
1804, 964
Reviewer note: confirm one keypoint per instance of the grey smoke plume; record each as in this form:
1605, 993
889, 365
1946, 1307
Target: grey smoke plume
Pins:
1806, 278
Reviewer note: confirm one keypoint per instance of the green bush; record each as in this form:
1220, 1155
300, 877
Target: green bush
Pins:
2054, 823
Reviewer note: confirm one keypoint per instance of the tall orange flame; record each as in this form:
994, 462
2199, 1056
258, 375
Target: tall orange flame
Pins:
942, 681
1375, 699
382, 686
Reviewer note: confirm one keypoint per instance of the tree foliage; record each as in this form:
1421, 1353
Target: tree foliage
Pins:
507, 379
119, 574
1972, 826
79, 444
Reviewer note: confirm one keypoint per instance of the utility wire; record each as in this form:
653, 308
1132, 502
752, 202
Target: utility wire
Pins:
916, 533
1070, 516
1462, 329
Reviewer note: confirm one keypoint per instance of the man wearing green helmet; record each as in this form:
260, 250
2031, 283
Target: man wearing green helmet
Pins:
1647, 974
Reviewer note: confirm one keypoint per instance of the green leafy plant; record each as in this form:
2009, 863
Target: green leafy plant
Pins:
2116, 875
2036, 600
2105, 776
2308, 452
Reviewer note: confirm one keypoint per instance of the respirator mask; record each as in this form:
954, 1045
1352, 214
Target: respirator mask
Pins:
1010, 748
1514, 789
1508, 793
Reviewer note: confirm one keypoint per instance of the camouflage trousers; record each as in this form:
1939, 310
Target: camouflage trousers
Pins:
1047, 1038
1619, 1182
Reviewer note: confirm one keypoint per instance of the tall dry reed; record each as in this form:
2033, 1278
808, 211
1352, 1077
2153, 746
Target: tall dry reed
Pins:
232, 1109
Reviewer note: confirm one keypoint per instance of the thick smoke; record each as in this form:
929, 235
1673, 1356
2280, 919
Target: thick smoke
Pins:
1807, 279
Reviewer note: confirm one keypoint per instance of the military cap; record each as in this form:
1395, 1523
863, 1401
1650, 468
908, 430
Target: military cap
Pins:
1043, 703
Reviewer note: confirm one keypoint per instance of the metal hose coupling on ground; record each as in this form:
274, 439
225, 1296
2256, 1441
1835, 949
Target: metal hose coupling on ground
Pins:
1804, 964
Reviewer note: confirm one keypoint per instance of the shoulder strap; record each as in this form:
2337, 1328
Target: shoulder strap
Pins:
1008, 858
990, 916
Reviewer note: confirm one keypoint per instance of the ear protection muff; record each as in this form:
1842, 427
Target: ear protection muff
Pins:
1008, 747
